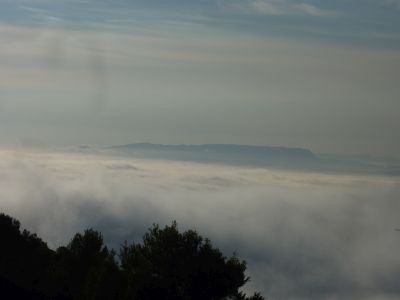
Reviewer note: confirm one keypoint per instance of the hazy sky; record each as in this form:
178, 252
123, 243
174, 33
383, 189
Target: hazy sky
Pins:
317, 74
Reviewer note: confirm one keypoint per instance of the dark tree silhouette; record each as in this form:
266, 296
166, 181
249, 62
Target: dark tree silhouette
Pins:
167, 265
173, 265
24, 260
87, 269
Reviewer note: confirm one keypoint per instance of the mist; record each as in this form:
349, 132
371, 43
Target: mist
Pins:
304, 235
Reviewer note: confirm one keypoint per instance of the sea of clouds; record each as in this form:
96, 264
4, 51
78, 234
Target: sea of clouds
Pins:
303, 235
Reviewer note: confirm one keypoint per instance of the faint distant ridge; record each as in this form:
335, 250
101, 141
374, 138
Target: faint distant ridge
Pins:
222, 153
262, 156
225, 149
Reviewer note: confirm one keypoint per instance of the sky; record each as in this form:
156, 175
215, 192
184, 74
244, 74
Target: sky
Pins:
322, 75
305, 236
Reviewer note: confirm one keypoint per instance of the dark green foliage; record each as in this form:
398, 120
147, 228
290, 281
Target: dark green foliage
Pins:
173, 265
24, 258
168, 265
87, 269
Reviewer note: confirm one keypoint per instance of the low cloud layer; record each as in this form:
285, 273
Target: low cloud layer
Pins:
304, 235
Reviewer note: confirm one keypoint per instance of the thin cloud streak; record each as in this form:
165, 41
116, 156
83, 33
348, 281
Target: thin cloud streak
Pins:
276, 8
392, 3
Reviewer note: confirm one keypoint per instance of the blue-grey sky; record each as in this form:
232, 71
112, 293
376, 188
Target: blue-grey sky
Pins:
317, 74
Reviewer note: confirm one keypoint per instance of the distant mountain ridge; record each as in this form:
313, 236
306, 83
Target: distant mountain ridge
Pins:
224, 148
281, 157
260, 156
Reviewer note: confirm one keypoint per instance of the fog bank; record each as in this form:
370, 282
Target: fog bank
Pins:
304, 235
